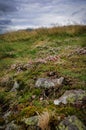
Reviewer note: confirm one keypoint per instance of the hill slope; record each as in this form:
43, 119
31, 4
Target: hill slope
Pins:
30, 59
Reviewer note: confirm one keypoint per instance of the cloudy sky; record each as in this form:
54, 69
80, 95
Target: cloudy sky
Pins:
20, 14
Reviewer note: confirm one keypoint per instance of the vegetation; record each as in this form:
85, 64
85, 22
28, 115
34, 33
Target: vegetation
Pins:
26, 56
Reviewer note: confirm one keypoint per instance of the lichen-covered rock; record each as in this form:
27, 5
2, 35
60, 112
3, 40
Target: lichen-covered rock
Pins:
71, 96
32, 121
13, 126
58, 81
48, 83
71, 123
44, 83
6, 116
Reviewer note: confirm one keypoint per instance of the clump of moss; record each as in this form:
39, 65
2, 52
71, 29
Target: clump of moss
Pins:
29, 111
2, 121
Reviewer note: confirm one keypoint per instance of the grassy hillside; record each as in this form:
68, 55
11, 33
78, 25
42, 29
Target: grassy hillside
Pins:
26, 56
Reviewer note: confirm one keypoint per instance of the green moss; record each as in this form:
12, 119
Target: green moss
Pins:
2, 121
30, 111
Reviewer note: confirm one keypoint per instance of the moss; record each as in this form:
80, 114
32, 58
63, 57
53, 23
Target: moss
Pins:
2, 121
29, 111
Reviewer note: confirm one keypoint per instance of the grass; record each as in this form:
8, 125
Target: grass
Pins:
23, 47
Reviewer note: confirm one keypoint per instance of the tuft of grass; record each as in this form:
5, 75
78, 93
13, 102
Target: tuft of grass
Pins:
44, 120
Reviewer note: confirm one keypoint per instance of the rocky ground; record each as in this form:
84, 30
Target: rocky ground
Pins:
43, 79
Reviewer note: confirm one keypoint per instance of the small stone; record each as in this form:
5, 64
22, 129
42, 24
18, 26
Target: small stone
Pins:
6, 116
32, 121
41, 98
33, 96
15, 87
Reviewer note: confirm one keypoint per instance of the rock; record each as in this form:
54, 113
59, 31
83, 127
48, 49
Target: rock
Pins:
6, 116
32, 121
13, 126
48, 83
33, 96
58, 81
81, 51
15, 87
44, 83
71, 96
71, 123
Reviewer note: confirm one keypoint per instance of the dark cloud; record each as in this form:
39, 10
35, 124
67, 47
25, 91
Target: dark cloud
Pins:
7, 6
5, 22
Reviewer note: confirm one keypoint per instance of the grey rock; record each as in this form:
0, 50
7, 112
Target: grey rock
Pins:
58, 81
6, 116
32, 121
12, 126
44, 83
48, 83
15, 87
71, 96
71, 123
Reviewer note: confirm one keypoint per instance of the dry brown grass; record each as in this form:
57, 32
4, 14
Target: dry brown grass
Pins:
25, 35
72, 29
44, 120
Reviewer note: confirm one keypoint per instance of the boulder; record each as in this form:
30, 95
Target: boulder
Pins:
71, 96
71, 123
48, 83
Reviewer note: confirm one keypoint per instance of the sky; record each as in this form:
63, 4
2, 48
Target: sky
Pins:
22, 14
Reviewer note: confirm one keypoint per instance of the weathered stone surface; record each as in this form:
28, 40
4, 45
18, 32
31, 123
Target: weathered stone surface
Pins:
71, 96
71, 123
44, 83
58, 81
48, 83
15, 87
81, 51
13, 126
6, 116
32, 121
